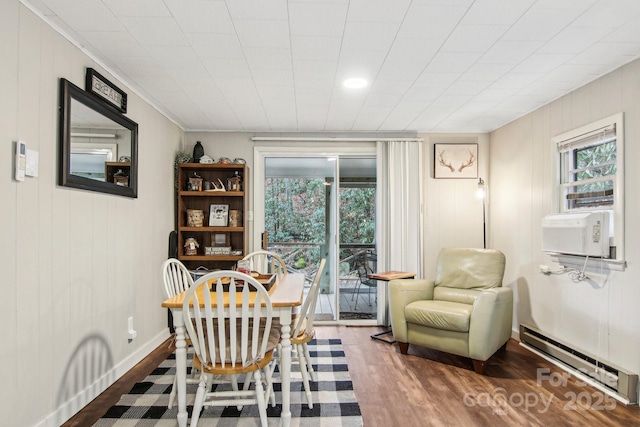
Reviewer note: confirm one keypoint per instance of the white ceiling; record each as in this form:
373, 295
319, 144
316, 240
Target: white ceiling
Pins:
277, 65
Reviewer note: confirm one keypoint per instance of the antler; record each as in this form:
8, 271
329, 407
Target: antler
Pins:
444, 163
468, 163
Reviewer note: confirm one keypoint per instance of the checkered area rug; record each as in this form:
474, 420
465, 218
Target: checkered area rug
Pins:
334, 404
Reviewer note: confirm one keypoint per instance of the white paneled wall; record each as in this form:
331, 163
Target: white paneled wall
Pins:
452, 211
74, 264
600, 318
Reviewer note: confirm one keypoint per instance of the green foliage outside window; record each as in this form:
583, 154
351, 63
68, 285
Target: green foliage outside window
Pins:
357, 215
295, 211
589, 163
594, 162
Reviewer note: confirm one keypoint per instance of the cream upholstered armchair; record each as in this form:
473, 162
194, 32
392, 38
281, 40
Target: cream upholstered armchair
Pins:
464, 311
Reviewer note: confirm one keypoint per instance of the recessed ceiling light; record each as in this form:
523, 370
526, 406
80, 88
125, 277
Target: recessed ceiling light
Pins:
355, 83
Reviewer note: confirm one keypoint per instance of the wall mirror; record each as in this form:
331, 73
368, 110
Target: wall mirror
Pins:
98, 145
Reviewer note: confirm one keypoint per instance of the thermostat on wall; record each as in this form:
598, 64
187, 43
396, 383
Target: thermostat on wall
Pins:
21, 160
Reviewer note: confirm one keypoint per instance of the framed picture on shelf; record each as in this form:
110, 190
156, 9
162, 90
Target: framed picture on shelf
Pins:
218, 215
219, 239
455, 161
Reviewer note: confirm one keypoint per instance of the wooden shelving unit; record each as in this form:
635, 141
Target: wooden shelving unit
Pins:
236, 237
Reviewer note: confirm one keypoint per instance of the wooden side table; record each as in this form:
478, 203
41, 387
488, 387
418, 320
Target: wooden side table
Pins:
387, 276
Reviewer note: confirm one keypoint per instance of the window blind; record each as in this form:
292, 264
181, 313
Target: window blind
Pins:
595, 137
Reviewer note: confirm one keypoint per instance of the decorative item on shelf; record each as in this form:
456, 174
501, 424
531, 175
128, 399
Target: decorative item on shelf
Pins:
207, 186
191, 246
121, 178
218, 250
235, 218
239, 161
236, 252
206, 159
195, 183
219, 186
234, 183
198, 152
124, 159
224, 160
218, 215
195, 217
219, 239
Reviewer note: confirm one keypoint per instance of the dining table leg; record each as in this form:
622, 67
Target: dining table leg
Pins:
285, 366
181, 368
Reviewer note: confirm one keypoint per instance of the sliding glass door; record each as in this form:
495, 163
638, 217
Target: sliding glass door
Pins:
321, 205
357, 244
299, 200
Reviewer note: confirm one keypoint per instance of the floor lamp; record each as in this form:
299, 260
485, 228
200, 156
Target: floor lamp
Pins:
482, 194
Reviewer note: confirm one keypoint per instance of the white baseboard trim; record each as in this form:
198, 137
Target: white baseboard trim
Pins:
515, 334
80, 400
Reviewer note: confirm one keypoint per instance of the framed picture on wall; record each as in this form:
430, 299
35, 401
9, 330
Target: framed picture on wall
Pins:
218, 215
455, 160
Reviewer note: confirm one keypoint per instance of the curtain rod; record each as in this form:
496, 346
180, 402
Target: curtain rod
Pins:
325, 139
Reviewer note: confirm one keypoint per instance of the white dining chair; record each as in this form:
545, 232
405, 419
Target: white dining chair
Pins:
303, 332
231, 342
177, 279
266, 262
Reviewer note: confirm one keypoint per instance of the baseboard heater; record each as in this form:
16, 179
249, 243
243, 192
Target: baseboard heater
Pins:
620, 382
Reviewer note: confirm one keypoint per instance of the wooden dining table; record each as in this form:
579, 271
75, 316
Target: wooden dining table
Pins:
286, 293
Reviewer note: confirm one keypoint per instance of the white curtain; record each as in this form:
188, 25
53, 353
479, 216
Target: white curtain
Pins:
399, 211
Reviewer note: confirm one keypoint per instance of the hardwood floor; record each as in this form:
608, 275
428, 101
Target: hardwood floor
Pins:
429, 388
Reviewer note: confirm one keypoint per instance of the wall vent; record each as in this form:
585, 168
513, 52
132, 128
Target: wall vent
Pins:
619, 381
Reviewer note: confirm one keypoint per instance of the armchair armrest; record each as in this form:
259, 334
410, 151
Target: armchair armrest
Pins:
401, 293
491, 319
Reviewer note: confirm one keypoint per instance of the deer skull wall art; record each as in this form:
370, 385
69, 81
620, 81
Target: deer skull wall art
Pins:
456, 160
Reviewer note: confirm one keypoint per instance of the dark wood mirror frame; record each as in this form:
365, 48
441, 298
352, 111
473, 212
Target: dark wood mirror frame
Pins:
68, 93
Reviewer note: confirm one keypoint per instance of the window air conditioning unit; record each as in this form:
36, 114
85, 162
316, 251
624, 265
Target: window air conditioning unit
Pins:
585, 234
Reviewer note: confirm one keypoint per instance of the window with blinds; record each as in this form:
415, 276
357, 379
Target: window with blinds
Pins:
591, 173
588, 169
